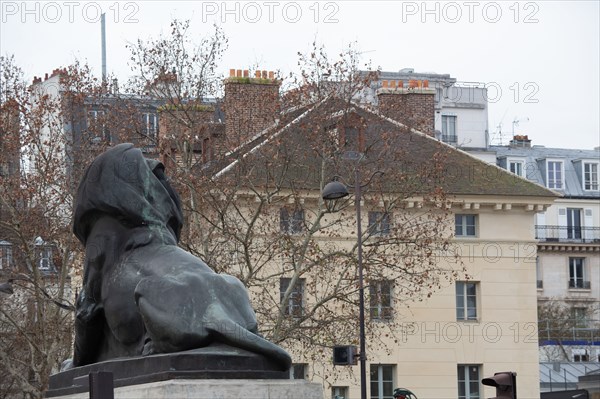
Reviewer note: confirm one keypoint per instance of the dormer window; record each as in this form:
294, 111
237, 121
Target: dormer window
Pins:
353, 140
352, 135
590, 176
149, 124
555, 174
45, 258
516, 166
96, 124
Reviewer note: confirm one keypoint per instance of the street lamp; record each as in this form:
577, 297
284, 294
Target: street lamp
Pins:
332, 191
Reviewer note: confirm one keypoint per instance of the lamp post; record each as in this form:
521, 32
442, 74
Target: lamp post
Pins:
335, 190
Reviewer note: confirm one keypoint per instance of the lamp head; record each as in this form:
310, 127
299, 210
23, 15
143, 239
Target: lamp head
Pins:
334, 190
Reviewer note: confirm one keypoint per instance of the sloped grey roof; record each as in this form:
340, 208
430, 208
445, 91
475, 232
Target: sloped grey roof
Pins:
536, 155
396, 147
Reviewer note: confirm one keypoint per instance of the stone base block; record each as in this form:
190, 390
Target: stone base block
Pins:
209, 363
216, 389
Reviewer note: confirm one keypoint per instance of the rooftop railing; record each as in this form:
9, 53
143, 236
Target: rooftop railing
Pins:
569, 332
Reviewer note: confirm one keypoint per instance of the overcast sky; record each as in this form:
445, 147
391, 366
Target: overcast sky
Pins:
540, 58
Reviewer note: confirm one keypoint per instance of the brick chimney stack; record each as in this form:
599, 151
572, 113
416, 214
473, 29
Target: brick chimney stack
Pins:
251, 104
412, 105
522, 141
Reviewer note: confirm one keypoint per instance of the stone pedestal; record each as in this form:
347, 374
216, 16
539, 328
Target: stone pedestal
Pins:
217, 389
213, 366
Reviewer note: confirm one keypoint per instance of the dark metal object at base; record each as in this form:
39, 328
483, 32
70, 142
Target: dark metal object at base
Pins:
212, 362
101, 385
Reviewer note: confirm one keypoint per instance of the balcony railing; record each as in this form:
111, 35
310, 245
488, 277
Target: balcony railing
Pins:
577, 234
570, 331
579, 284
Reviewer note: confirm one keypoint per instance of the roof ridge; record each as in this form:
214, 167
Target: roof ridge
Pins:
412, 130
263, 132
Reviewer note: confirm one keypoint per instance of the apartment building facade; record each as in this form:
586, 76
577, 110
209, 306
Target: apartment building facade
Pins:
460, 108
568, 264
466, 330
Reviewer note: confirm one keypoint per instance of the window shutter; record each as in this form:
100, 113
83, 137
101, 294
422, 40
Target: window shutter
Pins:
562, 223
540, 222
588, 221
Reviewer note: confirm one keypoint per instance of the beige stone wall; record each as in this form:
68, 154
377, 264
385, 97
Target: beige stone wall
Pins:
431, 342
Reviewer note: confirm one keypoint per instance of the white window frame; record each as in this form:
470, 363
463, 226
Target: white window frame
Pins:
381, 394
339, 392
594, 183
580, 355
575, 280
148, 130
45, 258
92, 121
378, 309
554, 183
462, 300
300, 368
466, 382
461, 227
6, 255
515, 161
446, 133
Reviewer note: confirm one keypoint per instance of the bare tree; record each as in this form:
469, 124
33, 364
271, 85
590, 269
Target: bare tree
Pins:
40, 255
254, 210
560, 323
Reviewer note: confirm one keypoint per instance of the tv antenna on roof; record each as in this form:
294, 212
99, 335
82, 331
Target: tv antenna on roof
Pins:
516, 121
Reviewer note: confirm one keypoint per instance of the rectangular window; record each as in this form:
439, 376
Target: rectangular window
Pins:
149, 124
380, 296
291, 221
574, 223
466, 301
577, 278
516, 167
294, 304
590, 176
468, 381
45, 258
579, 316
339, 392
465, 225
449, 129
354, 139
580, 355
382, 381
379, 223
5, 256
554, 171
298, 371
96, 124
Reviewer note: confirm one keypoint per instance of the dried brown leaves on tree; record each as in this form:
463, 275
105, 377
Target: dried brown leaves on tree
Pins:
241, 209
40, 166
252, 203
